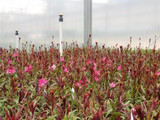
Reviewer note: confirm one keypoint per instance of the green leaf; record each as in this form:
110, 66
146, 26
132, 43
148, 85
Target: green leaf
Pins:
1, 75
52, 117
114, 115
65, 118
3, 100
113, 106
128, 95
71, 116
108, 104
143, 89
109, 112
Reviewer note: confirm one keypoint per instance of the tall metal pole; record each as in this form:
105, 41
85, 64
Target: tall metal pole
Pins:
60, 34
87, 22
17, 39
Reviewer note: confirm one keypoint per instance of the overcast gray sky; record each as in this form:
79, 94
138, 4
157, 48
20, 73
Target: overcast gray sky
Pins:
114, 21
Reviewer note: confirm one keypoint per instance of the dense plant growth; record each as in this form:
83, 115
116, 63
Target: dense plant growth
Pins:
89, 83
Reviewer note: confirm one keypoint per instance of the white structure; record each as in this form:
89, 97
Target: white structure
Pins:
87, 21
132, 118
60, 34
17, 39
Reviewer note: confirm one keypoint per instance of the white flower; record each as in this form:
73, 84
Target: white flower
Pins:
53, 67
73, 93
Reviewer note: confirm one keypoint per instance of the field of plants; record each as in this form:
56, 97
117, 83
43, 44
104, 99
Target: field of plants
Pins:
86, 83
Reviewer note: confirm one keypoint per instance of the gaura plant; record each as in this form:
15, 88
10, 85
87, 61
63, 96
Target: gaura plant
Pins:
88, 83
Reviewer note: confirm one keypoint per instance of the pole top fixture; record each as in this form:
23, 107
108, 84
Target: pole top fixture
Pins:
16, 33
60, 18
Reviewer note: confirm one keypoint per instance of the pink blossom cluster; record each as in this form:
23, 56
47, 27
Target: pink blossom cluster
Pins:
65, 69
112, 85
15, 54
82, 83
9, 61
42, 82
28, 68
119, 68
10, 70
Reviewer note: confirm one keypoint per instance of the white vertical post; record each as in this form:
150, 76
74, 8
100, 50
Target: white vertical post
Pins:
132, 118
60, 34
17, 39
87, 21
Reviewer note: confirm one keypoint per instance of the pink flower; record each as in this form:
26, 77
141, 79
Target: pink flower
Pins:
9, 61
61, 59
97, 72
108, 62
88, 62
85, 84
158, 72
144, 56
104, 58
42, 82
77, 84
112, 85
95, 65
70, 62
81, 82
15, 54
84, 68
66, 70
119, 67
28, 68
96, 78
10, 70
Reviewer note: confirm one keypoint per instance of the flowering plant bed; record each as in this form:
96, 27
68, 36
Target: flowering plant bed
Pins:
85, 83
